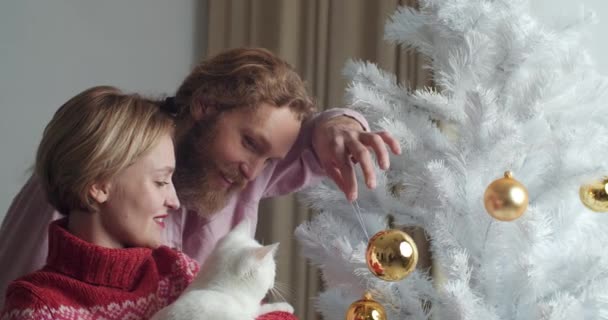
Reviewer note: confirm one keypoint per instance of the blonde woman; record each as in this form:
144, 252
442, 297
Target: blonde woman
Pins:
106, 161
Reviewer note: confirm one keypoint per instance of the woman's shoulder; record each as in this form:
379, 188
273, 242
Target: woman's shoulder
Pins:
28, 298
173, 262
176, 271
40, 282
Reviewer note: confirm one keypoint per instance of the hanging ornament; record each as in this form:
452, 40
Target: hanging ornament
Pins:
391, 255
366, 309
506, 199
595, 195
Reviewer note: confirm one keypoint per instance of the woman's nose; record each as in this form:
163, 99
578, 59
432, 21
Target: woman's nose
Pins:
172, 200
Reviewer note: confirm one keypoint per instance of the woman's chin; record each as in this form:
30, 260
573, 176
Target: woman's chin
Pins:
151, 243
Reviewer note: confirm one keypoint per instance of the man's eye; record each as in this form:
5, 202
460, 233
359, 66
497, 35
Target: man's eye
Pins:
249, 143
162, 183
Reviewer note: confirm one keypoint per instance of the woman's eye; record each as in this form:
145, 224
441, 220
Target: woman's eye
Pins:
162, 183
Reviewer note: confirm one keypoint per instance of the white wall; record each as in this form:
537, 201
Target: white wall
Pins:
595, 41
51, 50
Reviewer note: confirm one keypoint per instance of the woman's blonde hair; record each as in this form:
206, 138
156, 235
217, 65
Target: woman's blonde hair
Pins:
91, 138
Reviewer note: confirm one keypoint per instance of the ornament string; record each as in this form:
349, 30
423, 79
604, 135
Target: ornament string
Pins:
357, 210
485, 241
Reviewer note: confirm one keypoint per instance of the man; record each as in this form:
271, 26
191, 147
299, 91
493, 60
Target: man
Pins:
245, 130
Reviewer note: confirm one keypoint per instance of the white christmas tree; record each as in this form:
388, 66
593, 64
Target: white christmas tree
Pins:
515, 95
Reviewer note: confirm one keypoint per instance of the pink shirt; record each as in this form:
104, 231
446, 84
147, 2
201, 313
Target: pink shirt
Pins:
23, 235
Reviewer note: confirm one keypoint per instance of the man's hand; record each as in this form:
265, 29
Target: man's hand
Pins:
341, 142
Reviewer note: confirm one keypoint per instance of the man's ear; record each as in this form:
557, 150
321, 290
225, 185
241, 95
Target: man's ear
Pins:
200, 110
100, 191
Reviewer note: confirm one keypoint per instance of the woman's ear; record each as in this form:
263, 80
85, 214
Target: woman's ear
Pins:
100, 192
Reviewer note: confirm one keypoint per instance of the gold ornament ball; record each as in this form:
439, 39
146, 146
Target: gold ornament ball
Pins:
391, 255
506, 199
595, 196
366, 309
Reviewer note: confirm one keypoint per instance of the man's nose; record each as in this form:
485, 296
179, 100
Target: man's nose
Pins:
252, 168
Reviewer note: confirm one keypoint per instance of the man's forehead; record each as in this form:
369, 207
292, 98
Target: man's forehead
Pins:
262, 114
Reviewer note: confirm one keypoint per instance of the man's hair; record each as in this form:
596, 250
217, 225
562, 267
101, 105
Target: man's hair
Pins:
243, 77
90, 139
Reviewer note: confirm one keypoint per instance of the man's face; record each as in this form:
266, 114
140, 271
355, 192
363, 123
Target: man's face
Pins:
223, 152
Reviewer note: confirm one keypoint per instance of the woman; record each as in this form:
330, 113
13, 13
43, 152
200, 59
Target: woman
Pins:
105, 161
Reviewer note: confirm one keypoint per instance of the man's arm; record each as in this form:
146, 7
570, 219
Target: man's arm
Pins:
301, 167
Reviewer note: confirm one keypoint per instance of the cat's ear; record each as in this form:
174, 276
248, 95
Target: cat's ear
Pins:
261, 253
255, 257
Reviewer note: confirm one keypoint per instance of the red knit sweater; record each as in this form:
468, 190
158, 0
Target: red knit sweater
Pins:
85, 281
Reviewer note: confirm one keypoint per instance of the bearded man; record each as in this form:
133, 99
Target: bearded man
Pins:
245, 130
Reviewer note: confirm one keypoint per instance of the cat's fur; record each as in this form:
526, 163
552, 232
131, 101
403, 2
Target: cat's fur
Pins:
232, 282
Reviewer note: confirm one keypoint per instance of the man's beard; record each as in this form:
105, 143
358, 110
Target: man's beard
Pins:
197, 172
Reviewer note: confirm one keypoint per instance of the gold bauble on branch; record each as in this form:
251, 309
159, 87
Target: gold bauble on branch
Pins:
366, 309
391, 255
506, 199
595, 196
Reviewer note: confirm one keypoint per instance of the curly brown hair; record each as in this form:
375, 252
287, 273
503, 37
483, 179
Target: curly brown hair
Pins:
243, 77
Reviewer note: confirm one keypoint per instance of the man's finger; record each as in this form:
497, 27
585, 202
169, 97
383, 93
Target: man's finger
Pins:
363, 156
347, 170
377, 144
334, 173
341, 169
390, 141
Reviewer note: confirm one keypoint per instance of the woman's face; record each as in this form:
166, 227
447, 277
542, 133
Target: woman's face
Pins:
139, 199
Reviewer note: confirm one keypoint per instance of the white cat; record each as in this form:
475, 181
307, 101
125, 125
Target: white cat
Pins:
231, 283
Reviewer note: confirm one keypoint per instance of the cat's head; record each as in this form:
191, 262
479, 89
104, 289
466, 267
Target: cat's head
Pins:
243, 263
